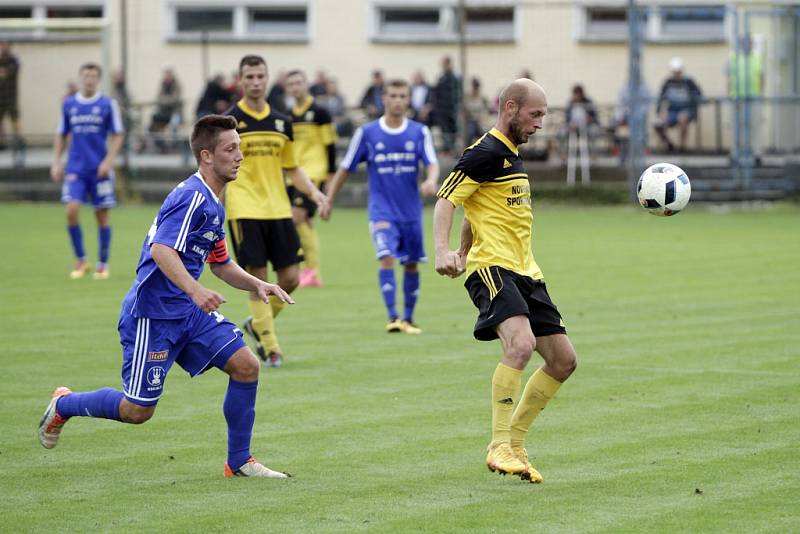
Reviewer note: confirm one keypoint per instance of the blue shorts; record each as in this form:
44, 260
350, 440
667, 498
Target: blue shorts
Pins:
77, 187
401, 240
674, 114
151, 346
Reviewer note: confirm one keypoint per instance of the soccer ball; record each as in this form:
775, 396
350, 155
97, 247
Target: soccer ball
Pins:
663, 189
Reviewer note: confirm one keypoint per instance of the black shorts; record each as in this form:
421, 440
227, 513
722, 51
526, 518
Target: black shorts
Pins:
256, 242
499, 294
10, 109
301, 200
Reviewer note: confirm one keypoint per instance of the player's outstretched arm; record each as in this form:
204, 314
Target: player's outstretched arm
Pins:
334, 185
305, 185
448, 262
169, 262
430, 185
233, 275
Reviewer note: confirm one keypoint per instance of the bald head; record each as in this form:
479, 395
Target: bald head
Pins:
523, 106
521, 90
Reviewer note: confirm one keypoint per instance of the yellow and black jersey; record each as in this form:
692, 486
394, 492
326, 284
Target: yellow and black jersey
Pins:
259, 191
314, 140
491, 182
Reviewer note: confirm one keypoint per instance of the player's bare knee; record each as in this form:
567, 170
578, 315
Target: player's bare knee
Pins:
566, 363
520, 348
135, 414
247, 369
387, 262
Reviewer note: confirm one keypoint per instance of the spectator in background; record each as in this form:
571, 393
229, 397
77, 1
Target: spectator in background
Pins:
745, 72
9, 71
580, 110
336, 106
70, 88
421, 98
372, 101
169, 107
119, 93
277, 98
681, 95
446, 100
233, 87
476, 109
319, 87
216, 98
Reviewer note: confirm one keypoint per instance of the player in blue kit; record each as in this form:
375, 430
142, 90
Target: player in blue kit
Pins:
87, 119
393, 147
168, 317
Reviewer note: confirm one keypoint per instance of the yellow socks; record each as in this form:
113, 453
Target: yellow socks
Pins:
309, 240
263, 324
538, 391
505, 386
276, 305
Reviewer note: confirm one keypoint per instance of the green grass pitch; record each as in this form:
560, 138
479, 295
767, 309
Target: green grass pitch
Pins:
682, 415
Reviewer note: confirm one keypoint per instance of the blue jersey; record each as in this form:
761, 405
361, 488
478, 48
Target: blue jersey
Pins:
88, 121
393, 156
190, 221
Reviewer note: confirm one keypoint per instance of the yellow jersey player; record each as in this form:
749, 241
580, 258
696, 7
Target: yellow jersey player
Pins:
314, 141
503, 280
258, 207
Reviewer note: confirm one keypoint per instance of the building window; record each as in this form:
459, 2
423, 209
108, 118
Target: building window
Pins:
279, 23
438, 21
248, 21
32, 15
693, 23
489, 24
192, 20
659, 23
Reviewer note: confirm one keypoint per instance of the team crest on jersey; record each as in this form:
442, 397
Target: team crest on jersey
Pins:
279, 125
241, 126
309, 116
95, 109
506, 164
410, 145
380, 146
211, 236
157, 356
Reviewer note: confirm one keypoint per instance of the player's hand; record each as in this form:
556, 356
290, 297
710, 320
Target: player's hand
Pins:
207, 300
428, 188
265, 289
104, 168
57, 172
325, 213
322, 203
450, 263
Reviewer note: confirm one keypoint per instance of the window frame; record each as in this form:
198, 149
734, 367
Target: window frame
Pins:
446, 29
241, 21
38, 12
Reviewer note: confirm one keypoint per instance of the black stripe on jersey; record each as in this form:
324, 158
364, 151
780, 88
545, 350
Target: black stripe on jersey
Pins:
447, 182
510, 177
456, 182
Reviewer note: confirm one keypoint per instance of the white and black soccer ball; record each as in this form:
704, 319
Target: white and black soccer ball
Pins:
663, 189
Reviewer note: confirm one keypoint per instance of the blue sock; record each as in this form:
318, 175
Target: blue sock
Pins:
410, 293
240, 414
103, 403
76, 237
388, 288
104, 238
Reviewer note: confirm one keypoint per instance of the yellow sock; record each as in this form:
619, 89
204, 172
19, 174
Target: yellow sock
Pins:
276, 305
538, 391
505, 386
309, 240
264, 324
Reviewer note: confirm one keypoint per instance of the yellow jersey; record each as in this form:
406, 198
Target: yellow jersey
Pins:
314, 138
490, 181
259, 191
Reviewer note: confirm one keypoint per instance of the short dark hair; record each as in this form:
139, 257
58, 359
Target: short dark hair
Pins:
91, 65
296, 72
205, 133
251, 60
397, 82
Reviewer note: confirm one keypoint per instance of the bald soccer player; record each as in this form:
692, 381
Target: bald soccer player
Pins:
503, 280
